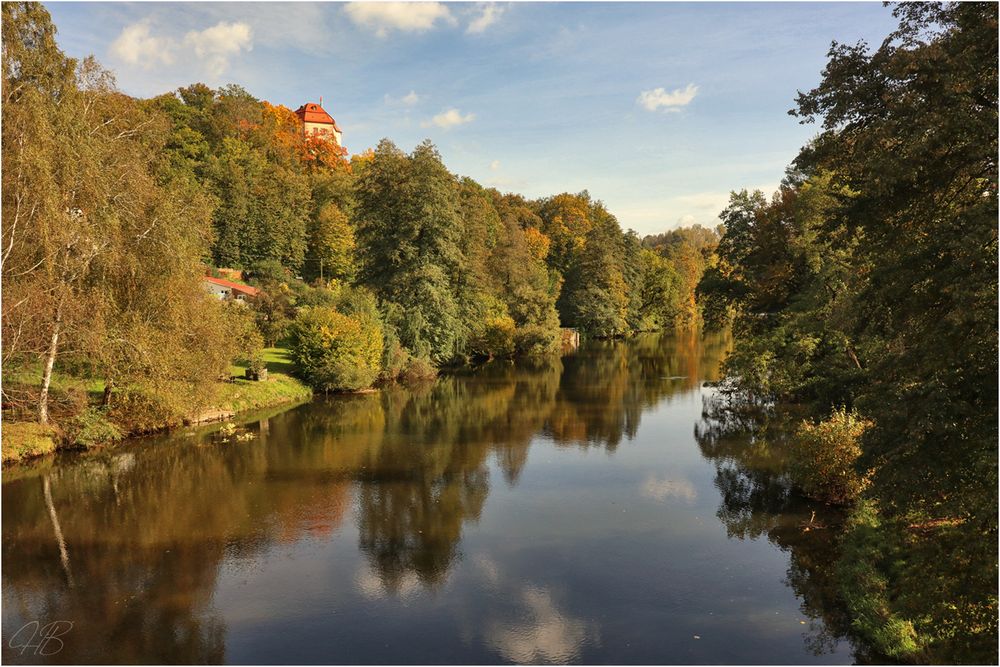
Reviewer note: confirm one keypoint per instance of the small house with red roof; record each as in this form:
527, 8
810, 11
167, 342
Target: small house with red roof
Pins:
227, 290
315, 120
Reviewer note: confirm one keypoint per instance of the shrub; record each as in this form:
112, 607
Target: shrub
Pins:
335, 352
824, 456
534, 339
494, 337
865, 588
91, 428
418, 369
242, 331
145, 410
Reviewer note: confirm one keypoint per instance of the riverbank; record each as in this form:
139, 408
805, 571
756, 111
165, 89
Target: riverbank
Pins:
25, 440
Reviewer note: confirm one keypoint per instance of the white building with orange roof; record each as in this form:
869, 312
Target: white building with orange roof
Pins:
315, 120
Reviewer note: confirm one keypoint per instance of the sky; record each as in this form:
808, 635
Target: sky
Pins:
657, 109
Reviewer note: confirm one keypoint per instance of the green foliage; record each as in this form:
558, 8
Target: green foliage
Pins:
824, 457
418, 369
494, 337
408, 234
102, 236
336, 352
866, 588
241, 328
91, 428
263, 206
331, 246
137, 410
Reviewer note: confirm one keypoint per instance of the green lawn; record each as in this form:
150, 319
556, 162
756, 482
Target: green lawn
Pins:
276, 358
31, 375
280, 387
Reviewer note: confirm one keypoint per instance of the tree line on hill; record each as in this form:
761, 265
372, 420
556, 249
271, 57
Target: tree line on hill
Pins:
375, 266
865, 292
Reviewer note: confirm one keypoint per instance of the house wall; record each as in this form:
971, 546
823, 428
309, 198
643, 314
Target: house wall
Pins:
322, 128
216, 290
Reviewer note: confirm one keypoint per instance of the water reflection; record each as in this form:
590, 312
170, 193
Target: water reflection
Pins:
147, 546
747, 448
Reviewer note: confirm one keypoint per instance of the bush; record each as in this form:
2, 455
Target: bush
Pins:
91, 428
824, 456
865, 589
494, 337
418, 369
145, 410
335, 352
242, 331
534, 340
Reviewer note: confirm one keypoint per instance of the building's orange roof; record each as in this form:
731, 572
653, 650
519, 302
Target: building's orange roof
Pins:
310, 112
239, 287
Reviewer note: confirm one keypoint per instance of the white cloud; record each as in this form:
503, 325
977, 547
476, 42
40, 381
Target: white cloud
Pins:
277, 25
686, 220
405, 16
490, 13
495, 165
136, 46
449, 118
713, 201
215, 45
408, 100
672, 101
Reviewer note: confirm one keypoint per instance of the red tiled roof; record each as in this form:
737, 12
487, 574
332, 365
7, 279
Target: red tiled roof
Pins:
310, 112
239, 287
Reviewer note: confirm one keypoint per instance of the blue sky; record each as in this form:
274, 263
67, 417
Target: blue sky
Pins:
658, 109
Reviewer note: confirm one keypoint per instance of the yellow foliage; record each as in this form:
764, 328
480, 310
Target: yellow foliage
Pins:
538, 243
824, 456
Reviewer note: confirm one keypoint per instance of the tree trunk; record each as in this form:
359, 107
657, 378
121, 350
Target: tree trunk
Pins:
109, 386
50, 359
853, 356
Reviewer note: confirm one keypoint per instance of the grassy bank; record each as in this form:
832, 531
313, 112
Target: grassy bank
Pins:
242, 395
87, 426
911, 591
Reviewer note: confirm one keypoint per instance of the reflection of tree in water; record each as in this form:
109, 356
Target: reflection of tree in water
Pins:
431, 473
746, 447
607, 384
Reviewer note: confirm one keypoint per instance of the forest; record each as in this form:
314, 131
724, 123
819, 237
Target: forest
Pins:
863, 302
372, 267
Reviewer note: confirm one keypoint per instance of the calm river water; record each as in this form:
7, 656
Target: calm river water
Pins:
581, 509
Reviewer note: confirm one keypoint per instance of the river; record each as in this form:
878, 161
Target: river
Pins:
579, 509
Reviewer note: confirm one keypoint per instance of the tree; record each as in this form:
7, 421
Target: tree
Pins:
408, 235
330, 254
101, 237
336, 352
